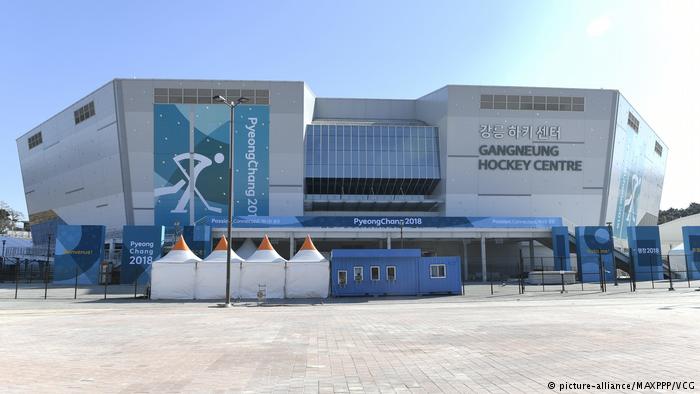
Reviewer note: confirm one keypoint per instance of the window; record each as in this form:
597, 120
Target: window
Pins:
658, 149
437, 271
530, 103
342, 278
374, 273
34, 140
357, 159
84, 112
204, 96
357, 274
499, 102
486, 101
539, 103
633, 122
513, 102
391, 273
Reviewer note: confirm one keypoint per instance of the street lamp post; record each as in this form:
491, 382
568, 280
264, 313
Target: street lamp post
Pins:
232, 105
3, 254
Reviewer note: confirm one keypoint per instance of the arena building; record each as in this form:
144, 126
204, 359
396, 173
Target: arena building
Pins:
475, 171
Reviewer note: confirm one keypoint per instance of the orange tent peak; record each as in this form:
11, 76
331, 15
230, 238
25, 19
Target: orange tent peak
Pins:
308, 244
265, 244
180, 244
222, 245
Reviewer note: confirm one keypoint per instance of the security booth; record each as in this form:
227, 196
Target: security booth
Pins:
375, 272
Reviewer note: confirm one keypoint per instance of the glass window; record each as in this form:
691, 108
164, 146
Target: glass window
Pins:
437, 271
391, 273
633, 122
513, 102
34, 140
358, 274
374, 273
342, 278
658, 149
486, 101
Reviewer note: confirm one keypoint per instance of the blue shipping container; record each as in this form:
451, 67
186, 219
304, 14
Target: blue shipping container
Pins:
372, 272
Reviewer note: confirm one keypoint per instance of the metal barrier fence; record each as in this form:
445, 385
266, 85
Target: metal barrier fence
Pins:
543, 274
31, 279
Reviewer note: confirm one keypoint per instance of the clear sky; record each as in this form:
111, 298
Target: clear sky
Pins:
54, 53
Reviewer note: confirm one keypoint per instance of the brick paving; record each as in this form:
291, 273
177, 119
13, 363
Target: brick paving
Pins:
467, 343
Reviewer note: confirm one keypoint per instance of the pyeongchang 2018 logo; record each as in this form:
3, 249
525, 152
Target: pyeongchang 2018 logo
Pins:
189, 183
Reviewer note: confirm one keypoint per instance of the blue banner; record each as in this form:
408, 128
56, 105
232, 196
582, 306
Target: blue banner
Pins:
79, 251
691, 245
594, 250
190, 162
198, 238
251, 176
645, 252
141, 246
560, 247
382, 222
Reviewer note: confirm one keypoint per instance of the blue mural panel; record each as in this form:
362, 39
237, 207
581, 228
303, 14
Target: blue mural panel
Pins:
251, 147
198, 238
594, 247
645, 252
171, 167
141, 245
560, 248
191, 158
79, 251
691, 244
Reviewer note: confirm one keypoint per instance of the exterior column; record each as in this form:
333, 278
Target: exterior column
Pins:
531, 246
483, 258
291, 245
465, 262
388, 241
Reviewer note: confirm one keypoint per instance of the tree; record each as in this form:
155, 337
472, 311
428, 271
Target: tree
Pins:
674, 213
8, 217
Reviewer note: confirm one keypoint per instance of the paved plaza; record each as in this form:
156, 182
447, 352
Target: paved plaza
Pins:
471, 343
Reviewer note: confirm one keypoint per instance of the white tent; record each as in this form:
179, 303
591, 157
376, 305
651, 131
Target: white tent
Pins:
308, 273
173, 275
247, 249
264, 267
210, 280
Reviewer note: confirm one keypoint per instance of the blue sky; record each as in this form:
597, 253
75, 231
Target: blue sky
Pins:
56, 52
